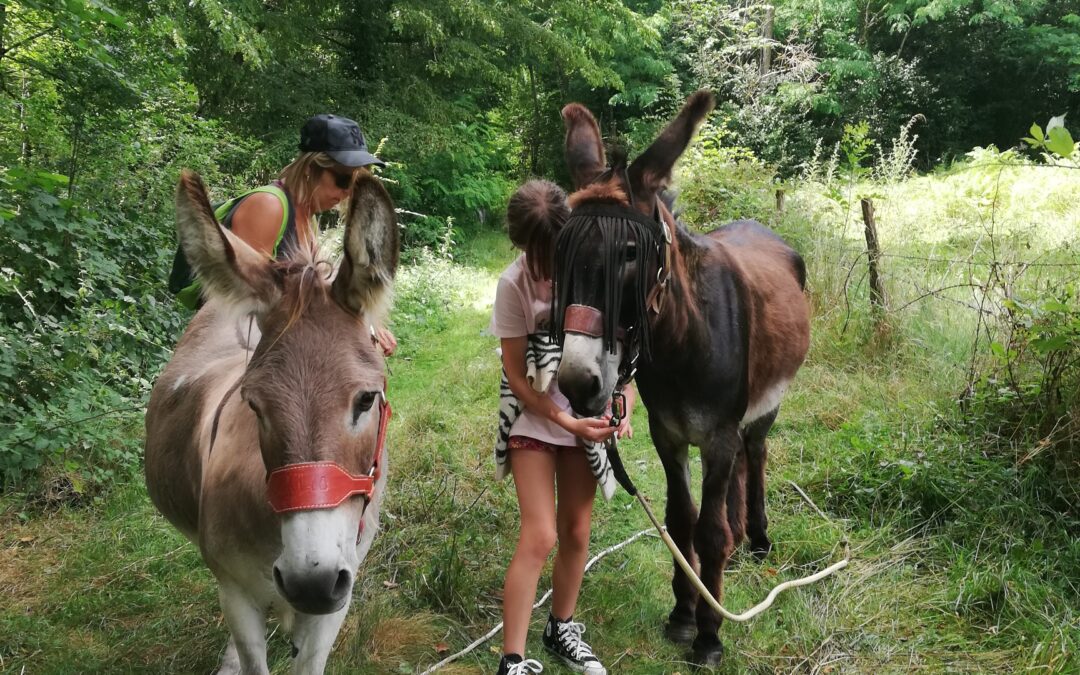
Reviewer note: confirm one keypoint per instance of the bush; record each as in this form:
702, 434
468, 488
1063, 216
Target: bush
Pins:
1029, 393
85, 326
719, 183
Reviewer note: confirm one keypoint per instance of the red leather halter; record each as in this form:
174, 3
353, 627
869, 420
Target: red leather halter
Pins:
308, 486
587, 321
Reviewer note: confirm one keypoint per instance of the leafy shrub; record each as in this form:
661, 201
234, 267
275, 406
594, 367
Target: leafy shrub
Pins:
719, 183
1029, 393
84, 325
466, 177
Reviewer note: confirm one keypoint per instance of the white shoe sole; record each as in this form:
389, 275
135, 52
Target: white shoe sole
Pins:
577, 667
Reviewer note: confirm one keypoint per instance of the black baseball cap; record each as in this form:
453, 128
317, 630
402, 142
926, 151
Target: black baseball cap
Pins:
339, 137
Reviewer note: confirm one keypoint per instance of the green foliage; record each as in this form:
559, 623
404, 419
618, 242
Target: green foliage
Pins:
882, 61
75, 350
1056, 141
1031, 388
719, 183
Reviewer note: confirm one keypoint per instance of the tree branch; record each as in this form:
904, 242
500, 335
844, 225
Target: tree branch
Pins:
4, 52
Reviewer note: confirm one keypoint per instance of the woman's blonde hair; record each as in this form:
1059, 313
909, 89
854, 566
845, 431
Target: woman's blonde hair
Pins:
302, 175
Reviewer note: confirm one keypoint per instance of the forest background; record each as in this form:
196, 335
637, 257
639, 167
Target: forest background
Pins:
954, 114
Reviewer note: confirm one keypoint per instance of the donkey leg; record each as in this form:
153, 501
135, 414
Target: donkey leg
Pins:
246, 652
713, 538
680, 516
313, 638
756, 457
736, 500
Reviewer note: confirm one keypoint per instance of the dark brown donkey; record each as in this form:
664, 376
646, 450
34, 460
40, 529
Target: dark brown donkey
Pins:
264, 433
720, 322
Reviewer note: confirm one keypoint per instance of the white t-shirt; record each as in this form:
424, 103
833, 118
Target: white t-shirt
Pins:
523, 307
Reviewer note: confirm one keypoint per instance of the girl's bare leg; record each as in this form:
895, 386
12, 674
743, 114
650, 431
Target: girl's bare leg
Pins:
577, 490
534, 477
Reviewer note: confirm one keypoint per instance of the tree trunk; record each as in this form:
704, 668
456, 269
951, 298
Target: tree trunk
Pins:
24, 151
534, 141
766, 49
3, 32
76, 141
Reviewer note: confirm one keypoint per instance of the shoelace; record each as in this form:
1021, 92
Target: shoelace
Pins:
525, 667
570, 635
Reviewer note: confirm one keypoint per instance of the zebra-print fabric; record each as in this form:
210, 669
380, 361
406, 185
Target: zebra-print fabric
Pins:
541, 365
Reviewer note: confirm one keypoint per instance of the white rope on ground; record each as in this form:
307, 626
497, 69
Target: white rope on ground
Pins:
704, 592
686, 567
490, 634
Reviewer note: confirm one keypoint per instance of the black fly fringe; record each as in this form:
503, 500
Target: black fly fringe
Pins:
617, 236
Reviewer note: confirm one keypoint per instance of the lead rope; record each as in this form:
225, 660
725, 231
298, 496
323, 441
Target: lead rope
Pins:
620, 475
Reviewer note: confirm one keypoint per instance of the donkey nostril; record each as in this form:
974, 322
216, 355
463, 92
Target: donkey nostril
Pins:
342, 585
595, 383
277, 578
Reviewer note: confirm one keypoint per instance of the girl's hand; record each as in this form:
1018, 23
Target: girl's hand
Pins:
592, 429
625, 429
386, 340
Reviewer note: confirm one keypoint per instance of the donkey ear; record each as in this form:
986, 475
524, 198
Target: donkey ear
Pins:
365, 279
584, 148
651, 171
225, 265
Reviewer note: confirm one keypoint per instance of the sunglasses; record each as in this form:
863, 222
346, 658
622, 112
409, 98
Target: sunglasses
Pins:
343, 181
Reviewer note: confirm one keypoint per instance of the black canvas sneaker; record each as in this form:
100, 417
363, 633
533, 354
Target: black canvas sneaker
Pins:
563, 639
513, 664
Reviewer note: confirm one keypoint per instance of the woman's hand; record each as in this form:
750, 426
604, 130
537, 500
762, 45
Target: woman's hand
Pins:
592, 429
625, 430
386, 340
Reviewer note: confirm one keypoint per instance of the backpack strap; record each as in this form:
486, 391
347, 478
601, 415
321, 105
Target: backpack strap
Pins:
225, 210
182, 281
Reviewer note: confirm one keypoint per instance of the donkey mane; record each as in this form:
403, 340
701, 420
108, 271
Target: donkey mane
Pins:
301, 280
682, 310
609, 193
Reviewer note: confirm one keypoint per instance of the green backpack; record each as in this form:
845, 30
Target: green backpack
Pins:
182, 281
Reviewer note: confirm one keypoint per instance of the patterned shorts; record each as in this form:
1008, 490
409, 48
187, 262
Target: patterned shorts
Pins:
527, 443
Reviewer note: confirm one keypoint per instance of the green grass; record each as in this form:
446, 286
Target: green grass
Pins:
963, 559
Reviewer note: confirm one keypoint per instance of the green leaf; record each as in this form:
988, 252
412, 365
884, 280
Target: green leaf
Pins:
1053, 343
1037, 134
1061, 142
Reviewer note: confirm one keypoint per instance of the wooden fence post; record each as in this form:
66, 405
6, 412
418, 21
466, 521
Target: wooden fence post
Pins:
779, 200
877, 292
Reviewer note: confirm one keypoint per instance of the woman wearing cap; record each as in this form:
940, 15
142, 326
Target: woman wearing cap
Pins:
332, 151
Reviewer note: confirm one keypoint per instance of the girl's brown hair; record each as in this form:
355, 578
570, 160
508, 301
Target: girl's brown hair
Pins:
535, 215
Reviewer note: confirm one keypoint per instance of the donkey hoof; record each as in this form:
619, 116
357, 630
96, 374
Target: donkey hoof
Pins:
707, 657
760, 549
680, 632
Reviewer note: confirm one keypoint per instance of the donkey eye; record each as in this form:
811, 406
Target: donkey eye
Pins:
255, 409
631, 253
362, 403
